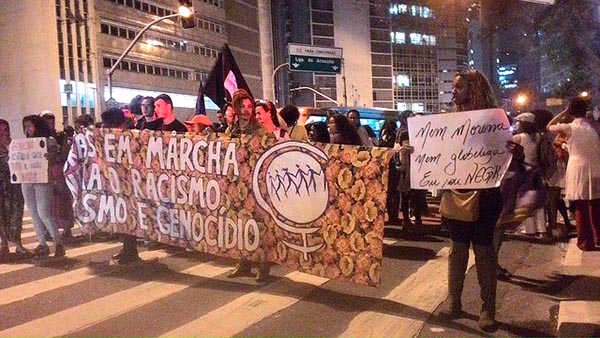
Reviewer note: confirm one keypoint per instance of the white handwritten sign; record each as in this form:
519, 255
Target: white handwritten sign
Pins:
465, 150
27, 161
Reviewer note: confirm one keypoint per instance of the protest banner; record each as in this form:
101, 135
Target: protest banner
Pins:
27, 160
465, 150
316, 208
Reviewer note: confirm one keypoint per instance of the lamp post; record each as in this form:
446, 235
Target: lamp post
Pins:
184, 12
273, 76
316, 92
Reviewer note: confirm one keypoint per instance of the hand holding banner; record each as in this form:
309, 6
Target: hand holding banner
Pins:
465, 150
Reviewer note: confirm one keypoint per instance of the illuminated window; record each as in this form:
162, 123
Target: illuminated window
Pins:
396, 9
422, 39
413, 10
398, 37
402, 80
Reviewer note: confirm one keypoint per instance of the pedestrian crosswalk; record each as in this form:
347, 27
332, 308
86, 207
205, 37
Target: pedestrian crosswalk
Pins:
244, 306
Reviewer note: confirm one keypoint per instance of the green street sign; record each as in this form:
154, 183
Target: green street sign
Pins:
306, 58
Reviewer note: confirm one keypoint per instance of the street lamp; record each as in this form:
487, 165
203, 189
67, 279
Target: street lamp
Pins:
273, 76
521, 99
584, 94
316, 92
185, 12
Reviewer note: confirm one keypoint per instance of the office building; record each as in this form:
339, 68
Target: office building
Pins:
63, 59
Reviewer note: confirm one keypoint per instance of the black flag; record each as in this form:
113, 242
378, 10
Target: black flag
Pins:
200, 108
224, 79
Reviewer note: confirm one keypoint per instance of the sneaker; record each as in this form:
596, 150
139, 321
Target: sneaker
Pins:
41, 251
59, 251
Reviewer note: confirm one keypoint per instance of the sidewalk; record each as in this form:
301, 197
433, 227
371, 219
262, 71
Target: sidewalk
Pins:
579, 312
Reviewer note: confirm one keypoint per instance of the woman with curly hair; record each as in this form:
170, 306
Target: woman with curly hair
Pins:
472, 91
341, 130
38, 196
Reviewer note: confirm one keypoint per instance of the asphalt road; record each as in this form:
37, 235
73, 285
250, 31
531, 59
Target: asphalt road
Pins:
178, 293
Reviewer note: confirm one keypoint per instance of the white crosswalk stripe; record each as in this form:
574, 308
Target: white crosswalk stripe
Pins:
71, 253
31, 289
248, 309
419, 291
104, 308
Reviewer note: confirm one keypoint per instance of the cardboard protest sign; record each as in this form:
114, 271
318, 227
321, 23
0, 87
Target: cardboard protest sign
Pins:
465, 150
27, 161
316, 208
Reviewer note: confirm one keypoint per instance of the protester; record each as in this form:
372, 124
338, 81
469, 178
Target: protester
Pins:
115, 118
472, 91
372, 135
341, 130
148, 119
11, 201
317, 132
199, 124
354, 117
163, 107
288, 120
221, 125
38, 196
243, 122
62, 203
266, 114
409, 198
531, 196
556, 184
388, 139
582, 178
83, 121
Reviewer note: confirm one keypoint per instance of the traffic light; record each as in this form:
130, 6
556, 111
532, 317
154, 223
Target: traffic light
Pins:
186, 14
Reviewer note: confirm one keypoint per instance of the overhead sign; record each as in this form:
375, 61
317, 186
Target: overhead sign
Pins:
307, 58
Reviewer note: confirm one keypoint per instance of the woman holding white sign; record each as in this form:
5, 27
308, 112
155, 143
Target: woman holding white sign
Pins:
38, 196
472, 91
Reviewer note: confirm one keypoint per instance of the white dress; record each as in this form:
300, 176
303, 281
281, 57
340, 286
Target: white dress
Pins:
582, 179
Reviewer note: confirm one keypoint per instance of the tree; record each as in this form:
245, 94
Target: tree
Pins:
569, 33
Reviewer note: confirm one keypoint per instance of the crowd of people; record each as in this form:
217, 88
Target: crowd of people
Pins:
529, 196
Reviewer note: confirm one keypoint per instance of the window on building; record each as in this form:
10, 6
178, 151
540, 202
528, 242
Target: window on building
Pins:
398, 37
414, 10
422, 39
402, 80
396, 9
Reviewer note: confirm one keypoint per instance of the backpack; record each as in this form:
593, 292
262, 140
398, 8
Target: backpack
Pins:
546, 157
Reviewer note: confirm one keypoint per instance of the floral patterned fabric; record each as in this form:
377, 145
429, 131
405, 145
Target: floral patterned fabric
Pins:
316, 208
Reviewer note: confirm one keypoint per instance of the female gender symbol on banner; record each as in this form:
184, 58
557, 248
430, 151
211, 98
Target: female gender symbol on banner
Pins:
297, 189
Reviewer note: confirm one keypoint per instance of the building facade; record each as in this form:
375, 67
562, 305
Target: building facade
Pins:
396, 54
83, 39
